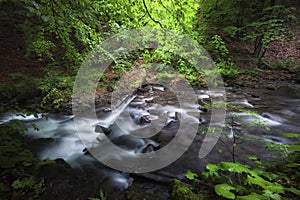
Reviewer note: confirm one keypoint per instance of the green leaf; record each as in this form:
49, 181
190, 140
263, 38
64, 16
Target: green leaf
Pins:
190, 175
213, 169
270, 195
34, 126
292, 165
252, 196
291, 135
236, 167
223, 190
273, 187
294, 190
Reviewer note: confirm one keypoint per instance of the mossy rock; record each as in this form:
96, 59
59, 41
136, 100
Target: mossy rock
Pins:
182, 192
147, 190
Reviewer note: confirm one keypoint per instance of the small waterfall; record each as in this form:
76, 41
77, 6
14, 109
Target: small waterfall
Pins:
112, 116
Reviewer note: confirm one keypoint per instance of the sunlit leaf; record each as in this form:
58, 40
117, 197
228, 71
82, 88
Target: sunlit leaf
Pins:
190, 175
223, 190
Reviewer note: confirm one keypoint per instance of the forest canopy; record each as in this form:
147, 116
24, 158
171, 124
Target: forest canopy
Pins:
78, 26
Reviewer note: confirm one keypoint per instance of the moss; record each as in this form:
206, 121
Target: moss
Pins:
147, 190
182, 192
45, 162
132, 193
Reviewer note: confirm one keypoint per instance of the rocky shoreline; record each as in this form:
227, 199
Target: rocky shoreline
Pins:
103, 98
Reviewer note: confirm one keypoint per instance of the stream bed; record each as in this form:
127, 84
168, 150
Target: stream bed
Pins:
156, 109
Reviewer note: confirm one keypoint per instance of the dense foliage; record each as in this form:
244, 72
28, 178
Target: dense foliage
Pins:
260, 22
18, 165
266, 180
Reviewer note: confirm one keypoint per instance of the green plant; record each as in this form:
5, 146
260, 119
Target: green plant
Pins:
277, 179
287, 157
101, 196
222, 58
12, 146
182, 192
284, 64
234, 134
42, 48
56, 88
191, 176
237, 181
166, 59
28, 188
18, 164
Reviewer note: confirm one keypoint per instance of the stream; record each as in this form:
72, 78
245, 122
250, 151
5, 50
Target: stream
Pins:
156, 109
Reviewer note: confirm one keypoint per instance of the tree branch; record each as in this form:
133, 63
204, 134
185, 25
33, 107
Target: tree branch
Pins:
158, 22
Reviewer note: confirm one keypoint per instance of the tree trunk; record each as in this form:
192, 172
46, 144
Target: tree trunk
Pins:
264, 52
258, 45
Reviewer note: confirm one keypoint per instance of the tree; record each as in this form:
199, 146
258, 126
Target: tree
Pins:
260, 22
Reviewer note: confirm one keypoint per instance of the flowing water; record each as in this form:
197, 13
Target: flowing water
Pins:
156, 114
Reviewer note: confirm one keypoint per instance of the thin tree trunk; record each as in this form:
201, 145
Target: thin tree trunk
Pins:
264, 52
258, 46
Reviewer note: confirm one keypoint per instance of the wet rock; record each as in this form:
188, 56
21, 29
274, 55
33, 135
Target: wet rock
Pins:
240, 83
202, 120
272, 117
144, 120
149, 100
202, 109
140, 116
101, 129
297, 77
148, 88
137, 103
271, 86
255, 95
59, 181
171, 116
121, 181
132, 143
38, 144
203, 96
107, 110
59, 168
244, 103
167, 133
147, 189
158, 88
275, 139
